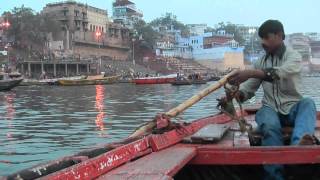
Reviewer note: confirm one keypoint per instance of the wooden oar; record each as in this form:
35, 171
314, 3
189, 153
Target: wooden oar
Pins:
185, 105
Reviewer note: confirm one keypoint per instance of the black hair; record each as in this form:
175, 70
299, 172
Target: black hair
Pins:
271, 26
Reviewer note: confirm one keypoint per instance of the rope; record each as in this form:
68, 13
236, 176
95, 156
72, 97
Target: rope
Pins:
228, 107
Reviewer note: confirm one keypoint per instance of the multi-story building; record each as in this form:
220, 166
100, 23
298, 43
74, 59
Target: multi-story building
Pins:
197, 29
86, 31
126, 13
97, 19
213, 50
75, 17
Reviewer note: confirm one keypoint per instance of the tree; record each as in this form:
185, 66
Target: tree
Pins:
29, 28
170, 20
146, 32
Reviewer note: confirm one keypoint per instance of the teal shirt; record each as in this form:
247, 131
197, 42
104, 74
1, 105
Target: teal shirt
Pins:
282, 93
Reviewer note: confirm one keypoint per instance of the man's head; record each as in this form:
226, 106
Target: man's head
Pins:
272, 35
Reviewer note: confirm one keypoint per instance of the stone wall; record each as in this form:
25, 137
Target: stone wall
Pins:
85, 51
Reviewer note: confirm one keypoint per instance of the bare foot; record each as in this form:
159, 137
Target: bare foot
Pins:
308, 139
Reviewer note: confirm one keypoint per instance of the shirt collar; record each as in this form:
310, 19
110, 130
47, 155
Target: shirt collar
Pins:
279, 52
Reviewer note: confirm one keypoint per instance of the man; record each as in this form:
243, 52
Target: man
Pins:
278, 71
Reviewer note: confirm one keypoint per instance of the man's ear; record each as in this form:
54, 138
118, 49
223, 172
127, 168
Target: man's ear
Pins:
280, 35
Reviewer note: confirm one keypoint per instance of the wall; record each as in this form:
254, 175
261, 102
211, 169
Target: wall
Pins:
112, 53
233, 60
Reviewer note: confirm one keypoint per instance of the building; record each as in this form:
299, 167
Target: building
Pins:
97, 19
86, 32
76, 17
315, 56
126, 13
197, 29
313, 36
300, 43
213, 50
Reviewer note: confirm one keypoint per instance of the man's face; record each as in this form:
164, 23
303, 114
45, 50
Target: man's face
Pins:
271, 42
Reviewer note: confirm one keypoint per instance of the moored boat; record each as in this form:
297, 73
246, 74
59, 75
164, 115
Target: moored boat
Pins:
7, 83
191, 79
189, 82
208, 148
90, 80
156, 80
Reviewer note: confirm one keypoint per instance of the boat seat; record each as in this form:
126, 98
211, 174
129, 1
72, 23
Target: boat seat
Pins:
208, 134
158, 165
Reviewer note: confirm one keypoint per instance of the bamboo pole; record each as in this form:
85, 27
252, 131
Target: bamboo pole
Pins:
185, 105
194, 99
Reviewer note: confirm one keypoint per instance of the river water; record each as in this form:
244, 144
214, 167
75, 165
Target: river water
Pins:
42, 123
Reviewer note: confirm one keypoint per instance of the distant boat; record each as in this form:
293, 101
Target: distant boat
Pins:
156, 80
185, 81
54, 81
7, 83
90, 80
213, 78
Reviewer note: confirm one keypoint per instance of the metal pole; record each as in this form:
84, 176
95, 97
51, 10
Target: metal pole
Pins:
8, 58
133, 61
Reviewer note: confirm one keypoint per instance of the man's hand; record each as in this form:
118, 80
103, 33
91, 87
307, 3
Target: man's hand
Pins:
241, 76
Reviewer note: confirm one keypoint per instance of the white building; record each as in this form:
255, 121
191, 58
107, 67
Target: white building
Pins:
221, 55
197, 29
126, 13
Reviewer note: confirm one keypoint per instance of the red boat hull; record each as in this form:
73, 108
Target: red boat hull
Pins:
154, 80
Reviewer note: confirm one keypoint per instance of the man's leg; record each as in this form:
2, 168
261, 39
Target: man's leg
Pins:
303, 116
269, 125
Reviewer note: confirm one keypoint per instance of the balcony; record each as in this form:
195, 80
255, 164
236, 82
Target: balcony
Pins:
77, 18
85, 19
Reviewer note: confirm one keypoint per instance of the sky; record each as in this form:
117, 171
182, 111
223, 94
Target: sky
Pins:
296, 15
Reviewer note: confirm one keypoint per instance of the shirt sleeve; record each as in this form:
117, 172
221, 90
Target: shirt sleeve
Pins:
249, 87
291, 66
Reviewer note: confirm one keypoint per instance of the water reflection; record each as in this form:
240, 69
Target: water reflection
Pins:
9, 103
10, 111
100, 107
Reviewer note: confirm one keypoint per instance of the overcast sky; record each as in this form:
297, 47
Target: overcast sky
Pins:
296, 15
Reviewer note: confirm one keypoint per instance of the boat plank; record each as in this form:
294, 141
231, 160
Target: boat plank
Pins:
213, 155
210, 132
156, 165
241, 139
139, 177
102, 164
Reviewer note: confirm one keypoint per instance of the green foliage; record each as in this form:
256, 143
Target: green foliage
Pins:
28, 27
169, 20
146, 32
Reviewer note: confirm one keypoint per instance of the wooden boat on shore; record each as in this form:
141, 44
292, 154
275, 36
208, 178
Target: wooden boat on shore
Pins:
7, 83
90, 80
208, 148
156, 80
